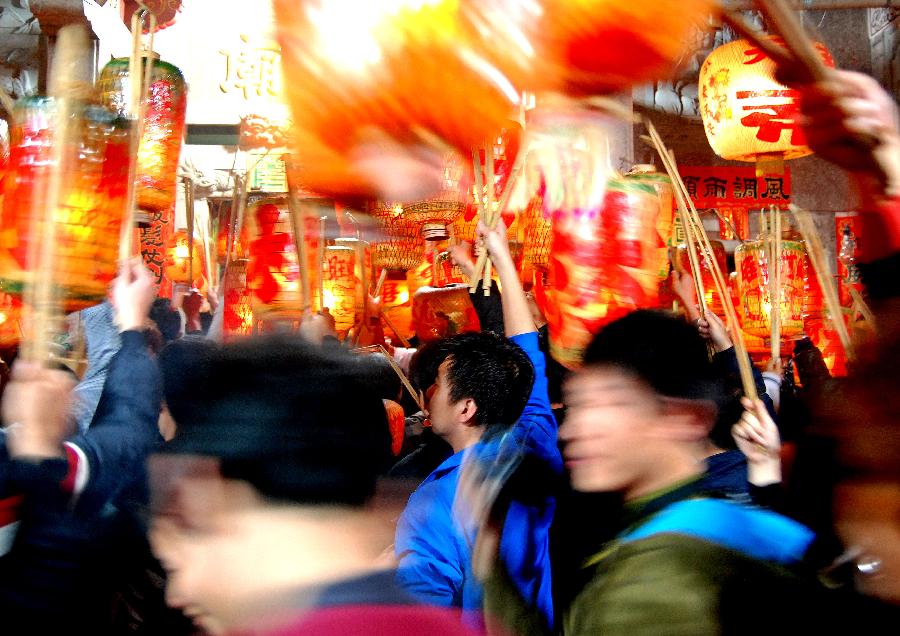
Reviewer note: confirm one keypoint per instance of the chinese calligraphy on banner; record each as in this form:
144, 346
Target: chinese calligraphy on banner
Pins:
733, 191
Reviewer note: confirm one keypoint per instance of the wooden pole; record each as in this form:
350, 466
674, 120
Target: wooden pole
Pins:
321, 263
189, 213
492, 213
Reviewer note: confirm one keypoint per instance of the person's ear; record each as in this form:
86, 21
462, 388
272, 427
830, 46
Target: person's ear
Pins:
686, 420
468, 410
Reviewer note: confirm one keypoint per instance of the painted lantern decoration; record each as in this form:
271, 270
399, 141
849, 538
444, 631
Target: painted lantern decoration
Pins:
753, 288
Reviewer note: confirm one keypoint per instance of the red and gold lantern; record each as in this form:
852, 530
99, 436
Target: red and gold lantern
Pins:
340, 285
439, 312
662, 185
91, 199
755, 306
273, 274
164, 125
237, 312
746, 112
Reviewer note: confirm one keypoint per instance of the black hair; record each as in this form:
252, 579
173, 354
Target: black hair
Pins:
167, 320
491, 370
662, 350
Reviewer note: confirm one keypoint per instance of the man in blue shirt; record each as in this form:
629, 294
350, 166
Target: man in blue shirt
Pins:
485, 395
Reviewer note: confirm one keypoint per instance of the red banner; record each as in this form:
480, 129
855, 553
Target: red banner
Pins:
734, 191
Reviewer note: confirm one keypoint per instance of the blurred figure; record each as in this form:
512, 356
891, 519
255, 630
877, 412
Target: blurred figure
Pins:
486, 397
260, 515
682, 560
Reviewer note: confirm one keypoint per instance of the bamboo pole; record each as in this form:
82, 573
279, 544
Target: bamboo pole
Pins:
189, 213
684, 201
861, 306
482, 216
823, 273
321, 263
492, 213
400, 374
773, 267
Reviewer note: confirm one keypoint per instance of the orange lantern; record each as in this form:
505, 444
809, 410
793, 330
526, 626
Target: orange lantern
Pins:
164, 125
91, 203
371, 91
665, 224
237, 316
746, 112
753, 287
439, 312
10, 317
182, 262
273, 274
339, 285
711, 296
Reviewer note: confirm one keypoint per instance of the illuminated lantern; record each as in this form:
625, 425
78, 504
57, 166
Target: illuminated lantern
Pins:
237, 312
711, 296
399, 245
179, 265
753, 287
747, 114
339, 285
373, 84
439, 312
92, 199
10, 315
665, 223
273, 274
164, 125
396, 302
536, 254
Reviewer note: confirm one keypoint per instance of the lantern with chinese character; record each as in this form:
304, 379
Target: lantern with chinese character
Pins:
755, 306
164, 124
91, 199
664, 226
396, 302
340, 285
399, 245
711, 296
237, 312
273, 274
439, 312
747, 114
184, 262
156, 239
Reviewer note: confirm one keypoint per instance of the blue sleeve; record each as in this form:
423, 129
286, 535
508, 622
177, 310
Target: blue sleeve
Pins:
536, 429
429, 567
125, 427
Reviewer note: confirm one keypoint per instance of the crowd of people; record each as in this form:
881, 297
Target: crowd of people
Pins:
262, 487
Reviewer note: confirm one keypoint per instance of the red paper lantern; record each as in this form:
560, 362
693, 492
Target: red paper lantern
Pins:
91, 199
439, 312
753, 287
340, 285
273, 274
163, 132
237, 316
604, 263
179, 264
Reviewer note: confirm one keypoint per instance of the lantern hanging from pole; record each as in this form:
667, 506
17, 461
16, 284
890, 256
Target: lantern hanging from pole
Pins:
753, 287
182, 262
665, 223
339, 285
163, 128
92, 199
748, 115
273, 274
435, 214
399, 245
711, 296
237, 313
441, 312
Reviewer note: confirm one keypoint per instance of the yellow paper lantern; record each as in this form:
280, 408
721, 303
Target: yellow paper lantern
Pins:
746, 112
339, 285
